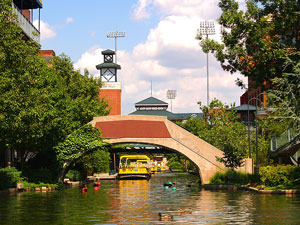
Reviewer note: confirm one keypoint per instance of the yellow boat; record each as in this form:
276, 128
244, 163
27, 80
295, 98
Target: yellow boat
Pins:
134, 167
158, 164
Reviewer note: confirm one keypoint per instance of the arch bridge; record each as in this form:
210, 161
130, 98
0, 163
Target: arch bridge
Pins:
159, 131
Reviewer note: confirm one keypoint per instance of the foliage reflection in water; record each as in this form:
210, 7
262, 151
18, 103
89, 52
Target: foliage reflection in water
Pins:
141, 201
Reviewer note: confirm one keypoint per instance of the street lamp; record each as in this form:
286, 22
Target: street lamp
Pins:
115, 34
207, 28
259, 114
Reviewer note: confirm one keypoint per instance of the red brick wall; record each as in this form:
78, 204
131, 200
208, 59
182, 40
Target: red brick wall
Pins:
46, 53
113, 96
134, 129
244, 98
26, 13
253, 93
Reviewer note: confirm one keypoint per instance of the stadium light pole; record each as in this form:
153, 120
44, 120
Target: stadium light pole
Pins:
207, 28
171, 94
116, 34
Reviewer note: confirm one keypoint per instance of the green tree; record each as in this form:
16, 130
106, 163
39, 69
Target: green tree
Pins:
220, 127
81, 142
232, 158
96, 162
25, 88
39, 104
80, 101
286, 95
256, 41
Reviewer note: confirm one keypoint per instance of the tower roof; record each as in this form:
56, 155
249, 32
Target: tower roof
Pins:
108, 65
108, 52
151, 101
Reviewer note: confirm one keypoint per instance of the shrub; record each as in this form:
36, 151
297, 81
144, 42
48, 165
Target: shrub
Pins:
218, 178
233, 177
286, 175
43, 175
74, 175
9, 177
41, 184
175, 165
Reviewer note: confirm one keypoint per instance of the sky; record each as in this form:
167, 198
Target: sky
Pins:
159, 47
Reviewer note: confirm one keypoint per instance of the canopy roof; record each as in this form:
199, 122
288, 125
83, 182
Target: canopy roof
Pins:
135, 157
28, 4
244, 107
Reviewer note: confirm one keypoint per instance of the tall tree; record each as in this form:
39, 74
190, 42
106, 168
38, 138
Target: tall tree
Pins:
80, 101
25, 82
256, 41
39, 104
286, 95
220, 127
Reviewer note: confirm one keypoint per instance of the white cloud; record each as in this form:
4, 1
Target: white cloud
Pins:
89, 60
171, 58
207, 9
69, 20
140, 10
46, 31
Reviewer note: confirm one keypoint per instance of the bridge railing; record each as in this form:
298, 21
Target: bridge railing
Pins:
285, 137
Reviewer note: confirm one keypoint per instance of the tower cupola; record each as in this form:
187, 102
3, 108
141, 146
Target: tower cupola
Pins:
108, 69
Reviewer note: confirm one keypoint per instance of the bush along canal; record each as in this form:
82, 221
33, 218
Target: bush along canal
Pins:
149, 202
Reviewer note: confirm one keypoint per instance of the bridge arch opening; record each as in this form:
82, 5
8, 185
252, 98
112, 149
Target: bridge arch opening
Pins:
151, 148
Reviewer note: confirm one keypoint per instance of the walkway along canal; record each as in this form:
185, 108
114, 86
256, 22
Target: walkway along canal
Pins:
141, 202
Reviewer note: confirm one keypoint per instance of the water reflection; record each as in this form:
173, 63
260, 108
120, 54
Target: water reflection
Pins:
141, 201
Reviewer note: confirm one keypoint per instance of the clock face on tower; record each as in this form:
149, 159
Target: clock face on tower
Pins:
108, 74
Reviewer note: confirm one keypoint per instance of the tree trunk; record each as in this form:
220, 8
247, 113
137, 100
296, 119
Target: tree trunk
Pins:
61, 175
21, 153
62, 172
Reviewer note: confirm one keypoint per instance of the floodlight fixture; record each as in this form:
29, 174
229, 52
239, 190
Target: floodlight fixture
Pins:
171, 94
115, 35
207, 28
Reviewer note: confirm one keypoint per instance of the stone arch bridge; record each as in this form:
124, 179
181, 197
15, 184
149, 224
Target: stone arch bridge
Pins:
158, 130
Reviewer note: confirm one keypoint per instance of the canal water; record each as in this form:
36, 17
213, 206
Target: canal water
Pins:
141, 202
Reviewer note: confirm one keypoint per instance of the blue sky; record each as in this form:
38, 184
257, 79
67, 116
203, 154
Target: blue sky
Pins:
159, 46
88, 23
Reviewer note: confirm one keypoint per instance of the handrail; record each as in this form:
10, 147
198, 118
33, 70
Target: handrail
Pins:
26, 24
285, 137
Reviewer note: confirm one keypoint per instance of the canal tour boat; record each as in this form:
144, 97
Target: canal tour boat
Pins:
134, 167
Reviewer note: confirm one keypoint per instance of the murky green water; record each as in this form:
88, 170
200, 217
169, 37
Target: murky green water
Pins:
140, 202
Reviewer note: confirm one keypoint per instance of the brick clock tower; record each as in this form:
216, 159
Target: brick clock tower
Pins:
111, 89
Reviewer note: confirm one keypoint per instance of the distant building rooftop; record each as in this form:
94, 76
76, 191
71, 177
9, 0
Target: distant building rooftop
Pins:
185, 116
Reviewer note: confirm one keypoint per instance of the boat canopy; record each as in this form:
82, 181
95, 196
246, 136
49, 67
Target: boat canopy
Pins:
137, 157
